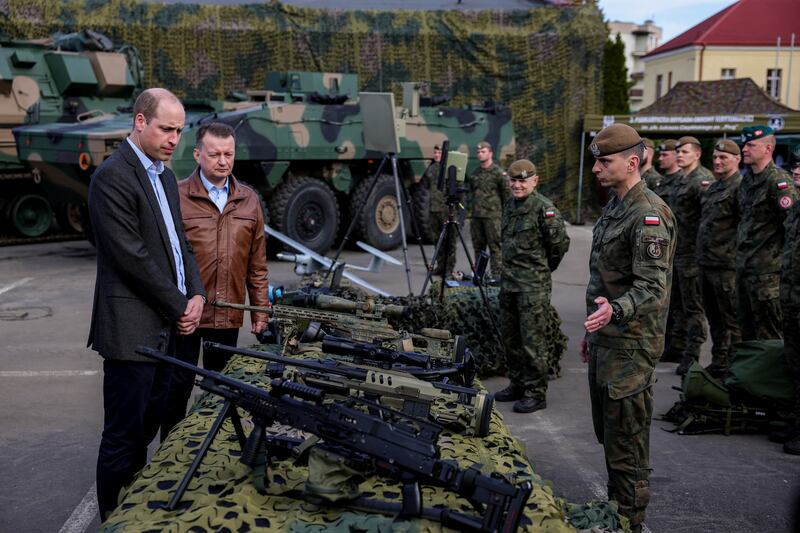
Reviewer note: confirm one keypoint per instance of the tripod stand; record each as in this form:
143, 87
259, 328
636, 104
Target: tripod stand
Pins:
403, 202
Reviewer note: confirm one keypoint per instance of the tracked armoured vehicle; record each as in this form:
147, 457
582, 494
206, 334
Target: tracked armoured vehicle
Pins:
67, 79
300, 144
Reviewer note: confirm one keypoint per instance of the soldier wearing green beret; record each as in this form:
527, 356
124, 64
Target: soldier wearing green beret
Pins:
438, 210
649, 174
630, 274
487, 192
766, 195
685, 204
534, 240
675, 337
716, 254
790, 307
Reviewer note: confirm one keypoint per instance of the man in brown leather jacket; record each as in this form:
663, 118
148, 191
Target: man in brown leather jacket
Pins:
224, 222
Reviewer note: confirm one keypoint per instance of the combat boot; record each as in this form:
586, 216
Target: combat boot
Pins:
686, 362
529, 405
509, 394
791, 447
717, 371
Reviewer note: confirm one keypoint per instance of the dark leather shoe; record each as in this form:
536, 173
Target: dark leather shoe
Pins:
529, 405
792, 447
509, 394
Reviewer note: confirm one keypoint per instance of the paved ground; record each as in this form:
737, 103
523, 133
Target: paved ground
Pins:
50, 387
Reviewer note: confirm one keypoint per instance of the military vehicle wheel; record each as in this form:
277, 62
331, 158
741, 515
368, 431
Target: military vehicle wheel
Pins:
421, 202
68, 217
30, 215
306, 210
379, 224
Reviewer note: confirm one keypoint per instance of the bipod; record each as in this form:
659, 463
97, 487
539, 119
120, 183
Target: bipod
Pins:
401, 197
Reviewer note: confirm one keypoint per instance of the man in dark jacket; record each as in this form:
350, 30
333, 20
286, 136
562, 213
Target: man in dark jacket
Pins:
148, 286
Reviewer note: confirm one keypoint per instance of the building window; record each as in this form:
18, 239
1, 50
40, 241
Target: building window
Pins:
728, 74
659, 82
669, 81
774, 83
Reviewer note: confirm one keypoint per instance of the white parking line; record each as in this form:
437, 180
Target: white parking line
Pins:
14, 285
83, 514
46, 373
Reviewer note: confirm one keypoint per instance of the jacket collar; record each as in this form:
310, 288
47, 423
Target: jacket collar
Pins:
236, 192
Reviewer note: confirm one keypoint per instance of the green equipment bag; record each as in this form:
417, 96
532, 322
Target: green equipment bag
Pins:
700, 387
758, 372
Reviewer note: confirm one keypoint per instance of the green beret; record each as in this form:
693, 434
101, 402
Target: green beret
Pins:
670, 145
750, 133
688, 140
521, 169
648, 143
614, 139
727, 145
484, 144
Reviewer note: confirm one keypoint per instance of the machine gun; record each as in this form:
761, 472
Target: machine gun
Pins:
410, 395
398, 448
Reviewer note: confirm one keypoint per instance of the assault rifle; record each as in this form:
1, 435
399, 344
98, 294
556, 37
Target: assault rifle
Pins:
399, 449
410, 395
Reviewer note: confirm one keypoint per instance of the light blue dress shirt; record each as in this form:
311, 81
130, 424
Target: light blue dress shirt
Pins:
217, 195
153, 169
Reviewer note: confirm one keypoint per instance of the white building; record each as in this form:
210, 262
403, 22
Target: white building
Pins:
639, 39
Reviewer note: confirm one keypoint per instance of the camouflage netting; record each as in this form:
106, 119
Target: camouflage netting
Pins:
223, 496
545, 63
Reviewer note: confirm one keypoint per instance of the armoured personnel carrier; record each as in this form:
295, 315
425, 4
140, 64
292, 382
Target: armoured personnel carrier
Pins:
68, 79
300, 144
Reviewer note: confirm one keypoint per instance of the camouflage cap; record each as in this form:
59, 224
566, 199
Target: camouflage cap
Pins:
649, 143
521, 169
670, 145
614, 139
688, 139
727, 145
751, 133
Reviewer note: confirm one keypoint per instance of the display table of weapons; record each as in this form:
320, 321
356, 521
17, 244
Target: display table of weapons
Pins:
344, 424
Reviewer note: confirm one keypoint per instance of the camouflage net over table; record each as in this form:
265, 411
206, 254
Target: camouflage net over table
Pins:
223, 497
545, 63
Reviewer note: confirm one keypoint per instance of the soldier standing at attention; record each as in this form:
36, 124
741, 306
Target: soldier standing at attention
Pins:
790, 307
488, 191
534, 242
675, 338
439, 214
685, 204
795, 166
649, 174
630, 272
716, 254
765, 196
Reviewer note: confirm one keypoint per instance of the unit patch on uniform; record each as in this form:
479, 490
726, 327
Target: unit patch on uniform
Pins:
782, 185
549, 213
652, 221
785, 202
654, 250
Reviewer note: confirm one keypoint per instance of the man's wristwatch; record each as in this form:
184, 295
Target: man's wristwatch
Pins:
205, 300
616, 313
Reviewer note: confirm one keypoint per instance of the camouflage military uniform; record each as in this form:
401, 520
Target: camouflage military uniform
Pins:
685, 198
630, 264
675, 337
534, 242
716, 255
438, 209
488, 191
764, 201
790, 302
652, 177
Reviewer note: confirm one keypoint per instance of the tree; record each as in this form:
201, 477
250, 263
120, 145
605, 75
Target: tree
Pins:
615, 78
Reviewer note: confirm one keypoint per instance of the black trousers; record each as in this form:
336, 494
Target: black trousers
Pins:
133, 399
187, 348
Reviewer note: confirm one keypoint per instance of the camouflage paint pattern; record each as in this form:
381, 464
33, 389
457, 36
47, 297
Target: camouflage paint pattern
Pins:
790, 302
652, 177
544, 63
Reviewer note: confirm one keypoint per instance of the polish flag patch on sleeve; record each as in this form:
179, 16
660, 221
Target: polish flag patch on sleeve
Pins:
782, 185
549, 213
652, 221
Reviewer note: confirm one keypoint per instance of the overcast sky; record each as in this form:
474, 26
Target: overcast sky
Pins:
674, 16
